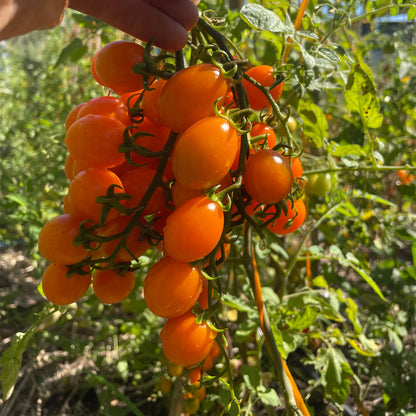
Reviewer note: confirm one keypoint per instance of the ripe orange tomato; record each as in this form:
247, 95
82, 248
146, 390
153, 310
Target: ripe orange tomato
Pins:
112, 287
95, 139
72, 115
150, 102
259, 129
172, 287
136, 182
295, 214
204, 153
190, 95
268, 177
69, 162
264, 75
297, 167
86, 187
136, 243
113, 63
106, 106
55, 241
184, 341
62, 290
194, 229
154, 140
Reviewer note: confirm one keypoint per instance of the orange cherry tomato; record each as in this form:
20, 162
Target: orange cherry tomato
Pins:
204, 153
106, 106
264, 75
61, 289
72, 115
113, 66
290, 222
194, 229
112, 287
95, 139
190, 95
150, 102
56, 240
136, 243
184, 341
86, 187
172, 287
136, 182
268, 177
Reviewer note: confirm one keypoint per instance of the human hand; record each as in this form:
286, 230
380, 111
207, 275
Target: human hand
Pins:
167, 22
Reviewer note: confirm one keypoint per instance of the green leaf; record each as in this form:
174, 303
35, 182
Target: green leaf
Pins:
307, 57
251, 376
339, 150
268, 397
414, 253
72, 52
411, 13
237, 303
369, 280
258, 17
19, 199
360, 96
315, 126
336, 374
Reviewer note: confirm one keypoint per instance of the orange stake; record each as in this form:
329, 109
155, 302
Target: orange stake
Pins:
298, 21
260, 307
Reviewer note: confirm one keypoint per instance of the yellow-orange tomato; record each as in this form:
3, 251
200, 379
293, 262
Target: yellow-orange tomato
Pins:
136, 243
112, 287
61, 289
193, 230
72, 115
106, 106
268, 177
136, 182
69, 163
113, 66
95, 139
172, 287
184, 341
56, 238
264, 75
86, 187
150, 102
287, 223
204, 153
190, 95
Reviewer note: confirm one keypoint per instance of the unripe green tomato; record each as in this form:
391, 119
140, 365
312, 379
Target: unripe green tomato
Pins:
319, 184
292, 125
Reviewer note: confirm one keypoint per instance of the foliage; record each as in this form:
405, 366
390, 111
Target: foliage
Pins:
339, 293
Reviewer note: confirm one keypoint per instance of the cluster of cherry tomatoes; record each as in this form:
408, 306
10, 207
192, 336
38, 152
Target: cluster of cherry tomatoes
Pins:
162, 167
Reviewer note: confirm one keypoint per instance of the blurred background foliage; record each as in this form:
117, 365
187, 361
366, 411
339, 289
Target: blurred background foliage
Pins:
349, 347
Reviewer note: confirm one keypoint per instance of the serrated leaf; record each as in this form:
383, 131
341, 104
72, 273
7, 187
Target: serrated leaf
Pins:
315, 126
336, 374
237, 303
360, 96
268, 397
340, 150
258, 17
307, 57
